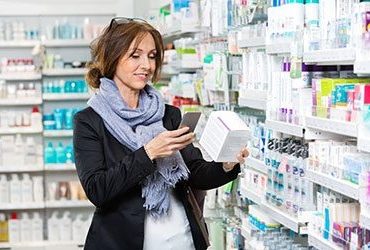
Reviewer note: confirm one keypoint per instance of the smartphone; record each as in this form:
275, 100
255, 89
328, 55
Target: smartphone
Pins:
190, 119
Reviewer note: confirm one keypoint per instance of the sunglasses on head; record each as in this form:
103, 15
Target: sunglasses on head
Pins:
122, 20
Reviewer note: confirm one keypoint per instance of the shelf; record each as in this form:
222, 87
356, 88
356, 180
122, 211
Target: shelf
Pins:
362, 67
39, 244
58, 133
252, 42
60, 167
255, 99
256, 164
343, 56
19, 44
341, 186
21, 169
186, 66
66, 96
21, 101
320, 243
65, 72
21, 76
21, 130
365, 221
180, 33
253, 196
68, 204
22, 206
278, 48
284, 218
286, 128
67, 43
332, 126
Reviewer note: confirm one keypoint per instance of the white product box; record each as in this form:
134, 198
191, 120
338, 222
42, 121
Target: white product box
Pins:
224, 136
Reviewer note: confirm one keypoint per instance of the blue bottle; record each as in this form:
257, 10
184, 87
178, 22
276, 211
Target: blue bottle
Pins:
58, 117
60, 154
50, 154
69, 154
68, 118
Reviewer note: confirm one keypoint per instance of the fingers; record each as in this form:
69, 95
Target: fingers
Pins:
244, 153
182, 145
184, 138
178, 132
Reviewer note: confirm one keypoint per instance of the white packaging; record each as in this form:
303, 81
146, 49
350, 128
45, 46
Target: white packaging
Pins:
38, 188
15, 189
19, 150
14, 228
4, 189
53, 227
78, 229
30, 152
66, 227
224, 136
37, 234
27, 190
26, 228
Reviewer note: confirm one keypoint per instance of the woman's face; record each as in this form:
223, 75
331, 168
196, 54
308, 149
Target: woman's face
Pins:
137, 66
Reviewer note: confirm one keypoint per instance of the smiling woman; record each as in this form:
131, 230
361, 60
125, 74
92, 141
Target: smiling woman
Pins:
135, 164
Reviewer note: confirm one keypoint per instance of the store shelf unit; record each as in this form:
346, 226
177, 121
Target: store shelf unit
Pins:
69, 204
256, 99
66, 96
253, 196
21, 169
297, 224
21, 102
21, 76
60, 167
361, 67
252, 42
286, 128
22, 206
58, 133
66, 43
278, 49
332, 126
343, 56
341, 186
20, 130
40, 244
256, 164
180, 33
19, 44
65, 72
320, 243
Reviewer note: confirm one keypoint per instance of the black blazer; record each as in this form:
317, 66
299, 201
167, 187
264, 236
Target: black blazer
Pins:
110, 174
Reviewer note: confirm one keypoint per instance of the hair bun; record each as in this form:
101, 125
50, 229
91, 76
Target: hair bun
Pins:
93, 76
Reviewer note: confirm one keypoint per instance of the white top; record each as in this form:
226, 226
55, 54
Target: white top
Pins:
171, 232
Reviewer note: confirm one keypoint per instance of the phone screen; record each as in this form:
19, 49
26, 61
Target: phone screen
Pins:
190, 119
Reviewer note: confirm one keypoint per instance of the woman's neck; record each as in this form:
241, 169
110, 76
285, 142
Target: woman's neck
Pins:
130, 96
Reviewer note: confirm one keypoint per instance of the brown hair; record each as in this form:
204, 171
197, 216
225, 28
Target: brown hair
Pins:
113, 44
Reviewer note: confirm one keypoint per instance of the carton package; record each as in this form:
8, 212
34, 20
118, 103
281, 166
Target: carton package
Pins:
224, 135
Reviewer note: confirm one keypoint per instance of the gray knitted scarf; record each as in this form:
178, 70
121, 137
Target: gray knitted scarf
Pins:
136, 127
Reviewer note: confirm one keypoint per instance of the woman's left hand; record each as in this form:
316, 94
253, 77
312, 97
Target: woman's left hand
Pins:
243, 153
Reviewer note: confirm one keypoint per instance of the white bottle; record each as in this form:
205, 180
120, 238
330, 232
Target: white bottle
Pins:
15, 189
66, 227
78, 229
4, 189
14, 228
26, 228
36, 227
27, 190
53, 227
36, 118
38, 188
30, 152
19, 150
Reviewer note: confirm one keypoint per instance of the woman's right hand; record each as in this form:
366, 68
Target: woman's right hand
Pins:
168, 142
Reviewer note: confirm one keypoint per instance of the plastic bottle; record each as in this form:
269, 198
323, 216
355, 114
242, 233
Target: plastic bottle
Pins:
53, 227
27, 190
69, 154
14, 228
38, 188
36, 118
4, 230
50, 154
66, 227
60, 153
58, 117
37, 227
31, 155
15, 189
78, 229
26, 228
19, 149
4, 189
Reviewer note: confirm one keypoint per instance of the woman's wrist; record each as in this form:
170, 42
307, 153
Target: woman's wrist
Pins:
149, 153
228, 166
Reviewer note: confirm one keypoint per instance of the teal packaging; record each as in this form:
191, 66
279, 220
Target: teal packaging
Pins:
50, 154
60, 154
68, 118
69, 154
58, 117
